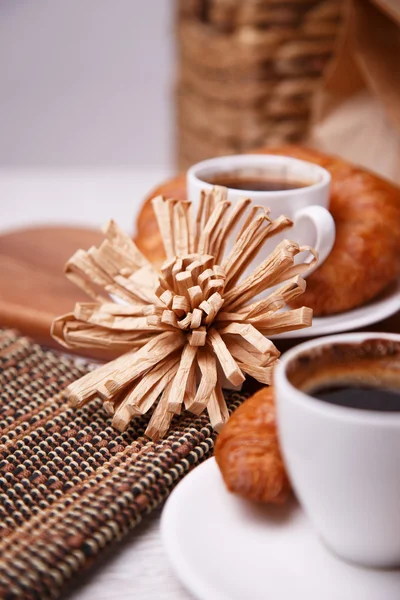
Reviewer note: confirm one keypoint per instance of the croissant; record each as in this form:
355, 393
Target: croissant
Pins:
247, 451
148, 238
365, 258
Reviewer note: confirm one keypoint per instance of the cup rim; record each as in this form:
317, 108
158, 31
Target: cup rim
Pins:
340, 413
237, 160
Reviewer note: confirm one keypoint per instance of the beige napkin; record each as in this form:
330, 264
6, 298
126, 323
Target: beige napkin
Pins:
357, 112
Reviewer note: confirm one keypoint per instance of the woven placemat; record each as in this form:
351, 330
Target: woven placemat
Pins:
70, 484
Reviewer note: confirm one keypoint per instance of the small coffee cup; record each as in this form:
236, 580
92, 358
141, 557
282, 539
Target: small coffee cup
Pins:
342, 455
287, 186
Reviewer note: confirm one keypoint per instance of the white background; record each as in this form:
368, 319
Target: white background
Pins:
86, 109
86, 83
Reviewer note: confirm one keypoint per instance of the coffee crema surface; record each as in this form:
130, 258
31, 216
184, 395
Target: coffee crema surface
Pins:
257, 183
362, 375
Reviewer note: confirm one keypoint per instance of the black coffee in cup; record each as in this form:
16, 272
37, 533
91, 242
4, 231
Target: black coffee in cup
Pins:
357, 396
255, 183
363, 376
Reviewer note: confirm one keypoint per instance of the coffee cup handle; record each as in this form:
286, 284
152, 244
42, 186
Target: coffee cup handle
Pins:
323, 225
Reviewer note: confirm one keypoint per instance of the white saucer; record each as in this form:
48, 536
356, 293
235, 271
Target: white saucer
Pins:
382, 307
225, 548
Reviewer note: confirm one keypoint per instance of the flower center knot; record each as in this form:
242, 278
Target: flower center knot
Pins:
190, 291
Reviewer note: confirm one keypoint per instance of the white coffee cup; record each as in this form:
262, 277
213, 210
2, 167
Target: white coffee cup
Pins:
305, 206
344, 463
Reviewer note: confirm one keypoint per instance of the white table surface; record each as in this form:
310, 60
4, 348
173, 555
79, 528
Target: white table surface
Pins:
137, 567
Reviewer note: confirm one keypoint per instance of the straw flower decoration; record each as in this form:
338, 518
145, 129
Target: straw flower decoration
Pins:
184, 331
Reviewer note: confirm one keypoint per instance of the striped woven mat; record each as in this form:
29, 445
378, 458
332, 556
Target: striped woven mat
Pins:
70, 484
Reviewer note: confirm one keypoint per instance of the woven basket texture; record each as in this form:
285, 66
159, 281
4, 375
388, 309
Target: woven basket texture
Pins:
248, 72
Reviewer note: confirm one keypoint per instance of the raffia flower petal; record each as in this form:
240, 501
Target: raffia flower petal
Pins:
183, 330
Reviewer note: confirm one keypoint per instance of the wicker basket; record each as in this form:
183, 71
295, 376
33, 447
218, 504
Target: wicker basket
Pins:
248, 71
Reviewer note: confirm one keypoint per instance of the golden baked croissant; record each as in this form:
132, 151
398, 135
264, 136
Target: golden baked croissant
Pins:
247, 451
366, 254
148, 238
365, 258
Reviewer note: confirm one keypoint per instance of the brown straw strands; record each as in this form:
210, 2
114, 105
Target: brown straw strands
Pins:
183, 330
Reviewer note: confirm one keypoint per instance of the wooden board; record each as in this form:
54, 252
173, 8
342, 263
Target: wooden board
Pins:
33, 287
